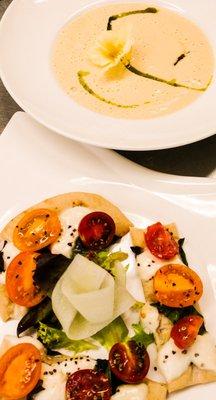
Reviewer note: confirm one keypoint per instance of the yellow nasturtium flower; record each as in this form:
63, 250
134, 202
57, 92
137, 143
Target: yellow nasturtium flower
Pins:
112, 49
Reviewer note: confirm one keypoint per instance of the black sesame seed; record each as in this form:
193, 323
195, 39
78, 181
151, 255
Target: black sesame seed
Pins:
138, 264
55, 370
174, 352
155, 368
8, 257
184, 352
76, 362
69, 244
166, 357
196, 354
69, 226
19, 262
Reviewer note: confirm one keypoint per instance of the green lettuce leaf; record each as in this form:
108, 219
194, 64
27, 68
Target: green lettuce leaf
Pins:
112, 333
141, 337
56, 339
108, 261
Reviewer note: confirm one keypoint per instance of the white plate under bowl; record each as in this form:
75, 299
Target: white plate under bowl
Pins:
35, 169
27, 32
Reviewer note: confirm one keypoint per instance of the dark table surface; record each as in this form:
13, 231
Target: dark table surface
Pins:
198, 159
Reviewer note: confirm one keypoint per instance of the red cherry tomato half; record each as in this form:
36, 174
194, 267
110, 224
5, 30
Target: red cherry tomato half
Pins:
129, 362
88, 384
160, 242
96, 230
185, 331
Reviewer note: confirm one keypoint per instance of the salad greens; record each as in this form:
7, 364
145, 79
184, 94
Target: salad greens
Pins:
141, 337
108, 261
55, 339
112, 333
175, 314
35, 314
50, 268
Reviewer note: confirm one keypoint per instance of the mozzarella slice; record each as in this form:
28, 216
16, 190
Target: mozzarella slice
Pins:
70, 220
133, 281
131, 392
203, 352
173, 362
148, 265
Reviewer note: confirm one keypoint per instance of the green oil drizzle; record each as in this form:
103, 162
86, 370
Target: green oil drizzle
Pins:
82, 75
170, 83
148, 10
134, 70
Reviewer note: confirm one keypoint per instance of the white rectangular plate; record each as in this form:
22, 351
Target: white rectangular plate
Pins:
36, 164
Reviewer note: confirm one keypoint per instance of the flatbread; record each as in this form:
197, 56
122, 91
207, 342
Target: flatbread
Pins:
156, 391
193, 376
63, 201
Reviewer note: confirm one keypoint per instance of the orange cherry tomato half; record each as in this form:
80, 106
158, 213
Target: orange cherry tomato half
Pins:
19, 280
176, 285
20, 371
185, 331
37, 229
129, 362
160, 242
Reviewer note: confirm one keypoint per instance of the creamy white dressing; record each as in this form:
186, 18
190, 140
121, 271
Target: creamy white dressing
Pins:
173, 362
148, 264
149, 318
131, 392
133, 281
70, 219
159, 39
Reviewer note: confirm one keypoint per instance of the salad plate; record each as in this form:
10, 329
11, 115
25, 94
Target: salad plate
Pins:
28, 31
194, 213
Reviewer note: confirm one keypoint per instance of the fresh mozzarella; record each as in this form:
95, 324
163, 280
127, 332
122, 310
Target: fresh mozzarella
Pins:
54, 382
131, 317
10, 341
133, 281
148, 264
131, 392
149, 318
173, 362
154, 373
2, 278
70, 219
9, 252
203, 352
